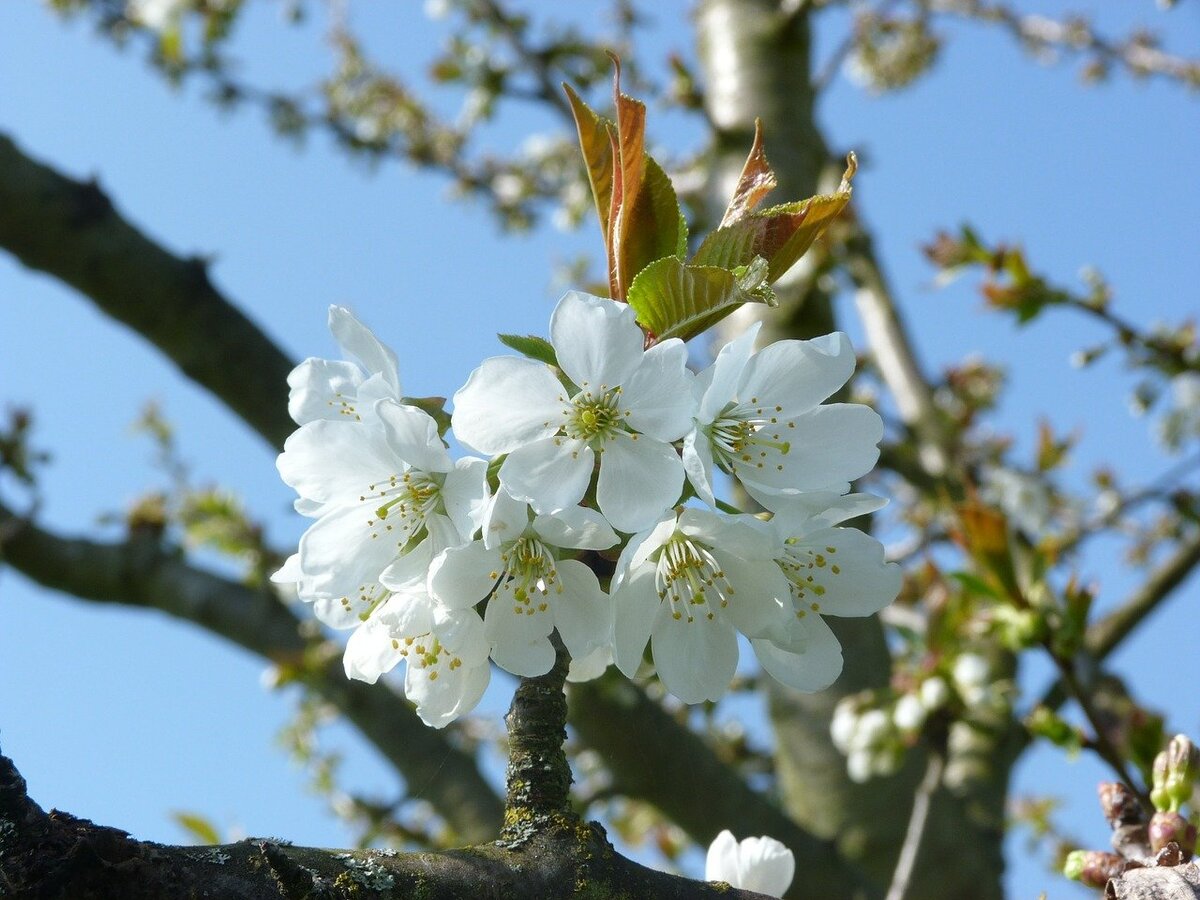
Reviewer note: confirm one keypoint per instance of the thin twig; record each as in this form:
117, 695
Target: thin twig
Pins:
922, 799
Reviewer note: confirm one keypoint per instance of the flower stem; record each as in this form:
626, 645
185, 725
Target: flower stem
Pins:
538, 778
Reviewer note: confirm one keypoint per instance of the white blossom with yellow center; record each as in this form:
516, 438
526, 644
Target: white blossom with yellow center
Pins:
530, 591
627, 406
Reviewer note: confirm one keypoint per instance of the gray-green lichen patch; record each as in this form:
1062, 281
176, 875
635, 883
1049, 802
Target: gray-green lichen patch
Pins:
214, 855
367, 872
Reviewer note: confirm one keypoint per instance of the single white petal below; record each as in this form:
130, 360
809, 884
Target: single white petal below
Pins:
591, 666
576, 527
508, 402
640, 478
810, 661
597, 341
519, 633
465, 495
761, 603
349, 547
760, 864
445, 698
336, 462
797, 375
695, 656
549, 474
698, 464
659, 393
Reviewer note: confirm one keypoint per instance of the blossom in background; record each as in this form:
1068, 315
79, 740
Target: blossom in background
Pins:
530, 591
689, 585
341, 390
830, 571
759, 417
157, 15
446, 654
760, 864
626, 406
386, 496
1182, 421
1024, 499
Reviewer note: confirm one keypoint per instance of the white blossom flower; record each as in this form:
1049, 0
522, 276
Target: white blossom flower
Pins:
934, 693
909, 713
446, 653
688, 585
629, 405
530, 591
971, 677
1182, 421
336, 389
760, 417
830, 571
157, 15
760, 864
388, 498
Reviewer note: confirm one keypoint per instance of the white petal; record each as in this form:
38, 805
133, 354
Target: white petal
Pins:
411, 571
849, 569
576, 527
659, 394
725, 374
698, 464
413, 436
591, 666
766, 865
549, 474
508, 402
349, 547
642, 545
334, 462
811, 660
359, 342
761, 604
721, 863
635, 607
289, 572
830, 444
742, 535
797, 375
695, 656
323, 389
598, 341
583, 614
465, 495
442, 700
369, 652
640, 478
504, 519
519, 632
462, 576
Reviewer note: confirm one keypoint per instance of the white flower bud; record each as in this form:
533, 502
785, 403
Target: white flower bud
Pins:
970, 674
934, 693
909, 713
873, 727
844, 724
858, 766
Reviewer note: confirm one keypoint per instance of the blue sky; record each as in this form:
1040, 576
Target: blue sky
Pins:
123, 715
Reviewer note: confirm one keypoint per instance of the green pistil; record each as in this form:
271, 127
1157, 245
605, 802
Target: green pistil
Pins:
595, 418
529, 569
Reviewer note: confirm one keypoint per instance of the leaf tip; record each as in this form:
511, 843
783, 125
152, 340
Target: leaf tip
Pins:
848, 175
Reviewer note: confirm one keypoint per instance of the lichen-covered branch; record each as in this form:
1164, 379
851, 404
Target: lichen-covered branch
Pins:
141, 572
72, 231
55, 855
653, 758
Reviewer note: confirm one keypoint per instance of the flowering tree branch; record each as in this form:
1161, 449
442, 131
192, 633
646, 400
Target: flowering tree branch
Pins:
142, 572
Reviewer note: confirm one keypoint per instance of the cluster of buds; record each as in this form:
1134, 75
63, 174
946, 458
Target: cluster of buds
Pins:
1165, 839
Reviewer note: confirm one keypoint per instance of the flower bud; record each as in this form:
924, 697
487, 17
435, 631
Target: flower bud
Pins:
934, 693
1166, 827
1158, 782
1093, 868
1120, 804
909, 713
1183, 765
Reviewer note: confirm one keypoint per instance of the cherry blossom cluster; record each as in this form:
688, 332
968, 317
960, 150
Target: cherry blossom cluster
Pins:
609, 458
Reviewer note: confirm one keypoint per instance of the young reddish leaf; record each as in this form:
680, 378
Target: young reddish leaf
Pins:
781, 234
756, 181
597, 153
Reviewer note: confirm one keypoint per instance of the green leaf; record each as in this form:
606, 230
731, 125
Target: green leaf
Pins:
197, 826
976, 585
434, 407
532, 346
651, 228
672, 299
